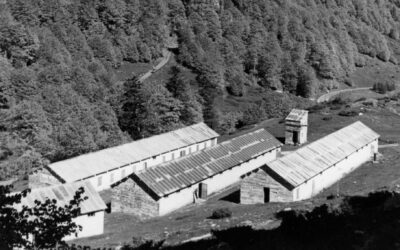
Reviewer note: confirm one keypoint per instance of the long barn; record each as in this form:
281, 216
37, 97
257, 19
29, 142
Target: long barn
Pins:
158, 191
105, 167
307, 171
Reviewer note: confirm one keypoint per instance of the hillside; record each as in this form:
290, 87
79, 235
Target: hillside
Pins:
60, 95
194, 220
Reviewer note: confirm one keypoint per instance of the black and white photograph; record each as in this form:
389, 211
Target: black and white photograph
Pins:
199, 124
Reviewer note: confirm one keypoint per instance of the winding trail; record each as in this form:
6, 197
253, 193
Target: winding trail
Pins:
326, 97
166, 56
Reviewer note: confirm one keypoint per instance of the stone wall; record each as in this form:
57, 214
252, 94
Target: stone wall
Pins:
129, 197
252, 189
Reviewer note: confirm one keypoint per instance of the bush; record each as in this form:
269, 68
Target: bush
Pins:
327, 118
339, 100
235, 89
221, 213
318, 107
382, 88
348, 113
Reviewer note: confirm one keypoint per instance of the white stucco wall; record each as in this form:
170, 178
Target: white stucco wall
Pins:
107, 181
214, 184
335, 173
91, 225
303, 135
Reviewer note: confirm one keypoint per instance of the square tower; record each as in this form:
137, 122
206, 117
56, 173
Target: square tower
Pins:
296, 124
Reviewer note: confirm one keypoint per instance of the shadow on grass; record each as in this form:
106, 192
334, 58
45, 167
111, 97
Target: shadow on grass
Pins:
358, 222
232, 197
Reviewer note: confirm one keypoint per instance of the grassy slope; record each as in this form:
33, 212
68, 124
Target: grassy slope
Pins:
375, 71
192, 221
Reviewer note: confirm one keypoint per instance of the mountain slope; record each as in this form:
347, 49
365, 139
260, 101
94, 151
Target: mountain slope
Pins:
59, 96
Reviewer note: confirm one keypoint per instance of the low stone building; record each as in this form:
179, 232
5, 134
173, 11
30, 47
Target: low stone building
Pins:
165, 188
296, 126
108, 166
307, 171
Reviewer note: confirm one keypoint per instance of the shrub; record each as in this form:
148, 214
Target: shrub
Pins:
382, 88
228, 122
339, 100
327, 118
221, 213
348, 113
318, 107
235, 89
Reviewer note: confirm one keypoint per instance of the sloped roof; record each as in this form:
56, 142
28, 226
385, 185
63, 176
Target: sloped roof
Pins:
296, 114
84, 166
63, 194
173, 176
303, 164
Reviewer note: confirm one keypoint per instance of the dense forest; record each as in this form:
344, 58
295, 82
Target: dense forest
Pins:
59, 96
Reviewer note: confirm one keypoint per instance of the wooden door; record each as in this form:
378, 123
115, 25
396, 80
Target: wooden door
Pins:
266, 195
202, 190
295, 137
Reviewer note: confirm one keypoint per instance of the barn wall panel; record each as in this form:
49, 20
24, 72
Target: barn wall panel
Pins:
252, 189
91, 225
335, 173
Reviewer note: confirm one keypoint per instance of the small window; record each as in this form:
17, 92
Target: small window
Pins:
172, 156
197, 147
205, 144
145, 165
112, 177
164, 159
190, 150
212, 143
183, 153
99, 181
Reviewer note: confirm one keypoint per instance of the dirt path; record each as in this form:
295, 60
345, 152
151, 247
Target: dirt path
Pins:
326, 97
162, 63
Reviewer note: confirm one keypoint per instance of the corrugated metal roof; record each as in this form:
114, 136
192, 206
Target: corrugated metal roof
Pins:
84, 166
296, 114
64, 194
170, 177
310, 160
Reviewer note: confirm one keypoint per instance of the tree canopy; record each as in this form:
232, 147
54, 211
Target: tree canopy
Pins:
42, 226
60, 96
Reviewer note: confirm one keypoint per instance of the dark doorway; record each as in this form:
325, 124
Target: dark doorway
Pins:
295, 137
266, 195
202, 190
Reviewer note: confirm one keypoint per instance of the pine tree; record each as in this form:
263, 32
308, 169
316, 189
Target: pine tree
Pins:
180, 87
161, 111
132, 108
